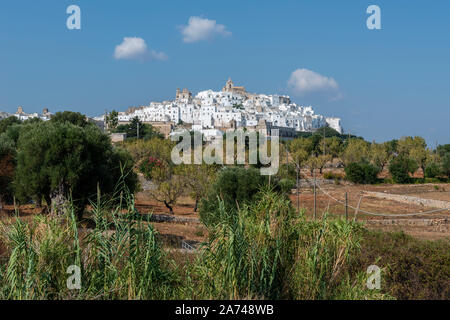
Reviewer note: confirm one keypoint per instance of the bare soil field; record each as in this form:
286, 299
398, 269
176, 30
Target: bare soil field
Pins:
174, 233
383, 206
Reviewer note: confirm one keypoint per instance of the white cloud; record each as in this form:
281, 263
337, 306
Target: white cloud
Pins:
304, 81
199, 29
136, 48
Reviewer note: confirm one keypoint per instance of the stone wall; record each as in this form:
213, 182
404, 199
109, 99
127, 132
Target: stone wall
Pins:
410, 200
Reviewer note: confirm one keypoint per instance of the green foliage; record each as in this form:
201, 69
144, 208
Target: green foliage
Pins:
286, 185
267, 251
329, 132
136, 126
235, 186
119, 258
362, 172
112, 120
356, 150
414, 269
445, 165
148, 165
332, 176
7, 166
442, 150
432, 170
68, 160
74, 118
400, 169
287, 171
6, 123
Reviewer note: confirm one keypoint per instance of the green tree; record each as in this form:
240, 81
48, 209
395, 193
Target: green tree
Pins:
169, 191
333, 146
199, 179
112, 120
6, 123
236, 186
401, 168
415, 149
357, 150
442, 150
445, 165
74, 118
363, 173
137, 129
58, 161
379, 154
7, 166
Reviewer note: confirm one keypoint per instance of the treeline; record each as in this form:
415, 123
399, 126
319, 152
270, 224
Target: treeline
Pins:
363, 161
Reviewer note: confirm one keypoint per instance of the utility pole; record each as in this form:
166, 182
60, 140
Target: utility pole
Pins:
287, 156
315, 194
346, 206
298, 191
137, 131
106, 120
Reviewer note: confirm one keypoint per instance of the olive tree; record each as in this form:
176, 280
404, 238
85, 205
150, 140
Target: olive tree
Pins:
7, 165
58, 161
357, 150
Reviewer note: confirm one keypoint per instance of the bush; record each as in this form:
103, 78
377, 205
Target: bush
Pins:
445, 165
288, 171
286, 185
432, 170
415, 269
148, 165
332, 176
400, 169
362, 172
235, 186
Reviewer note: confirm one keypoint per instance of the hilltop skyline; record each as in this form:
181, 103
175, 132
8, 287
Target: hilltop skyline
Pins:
383, 84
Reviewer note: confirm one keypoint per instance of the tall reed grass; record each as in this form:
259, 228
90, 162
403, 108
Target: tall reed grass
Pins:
268, 251
120, 258
263, 250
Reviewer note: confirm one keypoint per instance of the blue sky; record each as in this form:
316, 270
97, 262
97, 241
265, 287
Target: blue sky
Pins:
389, 83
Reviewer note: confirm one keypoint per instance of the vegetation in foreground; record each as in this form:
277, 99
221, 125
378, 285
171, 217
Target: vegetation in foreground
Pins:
263, 250
258, 247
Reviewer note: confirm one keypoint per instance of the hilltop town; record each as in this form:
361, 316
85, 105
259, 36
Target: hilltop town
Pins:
212, 112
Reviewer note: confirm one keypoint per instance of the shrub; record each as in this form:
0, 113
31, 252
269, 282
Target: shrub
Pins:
235, 186
445, 165
400, 169
432, 170
332, 176
288, 171
148, 165
286, 185
362, 172
415, 269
